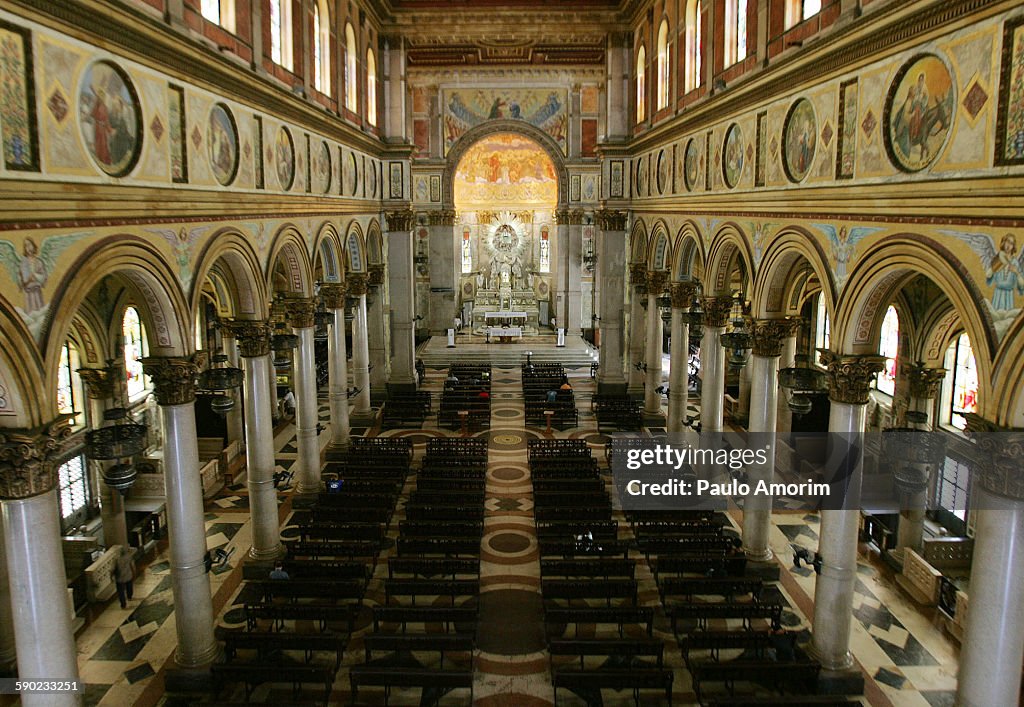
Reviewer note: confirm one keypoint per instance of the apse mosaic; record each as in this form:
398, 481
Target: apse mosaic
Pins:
505, 169
543, 108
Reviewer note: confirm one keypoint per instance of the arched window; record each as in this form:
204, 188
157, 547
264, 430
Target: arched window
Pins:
221, 12
641, 85
135, 348
281, 33
663, 66
889, 346
822, 327
351, 77
694, 45
70, 400
799, 10
735, 31
322, 47
74, 492
467, 252
545, 250
962, 381
371, 88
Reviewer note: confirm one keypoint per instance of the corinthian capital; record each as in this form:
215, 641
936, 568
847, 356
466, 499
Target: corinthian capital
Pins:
715, 310
174, 378
301, 312
253, 336
924, 382
28, 459
638, 275
770, 334
850, 376
357, 284
683, 294
400, 220
998, 464
99, 382
442, 217
610, 220
333, 295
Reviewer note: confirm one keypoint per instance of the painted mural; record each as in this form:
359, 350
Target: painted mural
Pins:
223, 144
505, 168
30, 267
732, 156
1010, 137
919, 112
284, 158
543, 108
110, 118
799, 137
176, 133
1003, 264
847, 148
692, 163
843, 246
17, 109
322, 172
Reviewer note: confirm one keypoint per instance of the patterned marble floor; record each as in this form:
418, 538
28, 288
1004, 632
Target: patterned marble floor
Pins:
906, 659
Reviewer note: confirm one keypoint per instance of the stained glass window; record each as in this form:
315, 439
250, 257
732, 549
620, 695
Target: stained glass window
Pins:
822, 327
351, 77
965, 381
694, 45
321, 48
467, 253
952, 486
888, 346
69, 396
371, 88
135, 348
735, 31
74, 486
545, 250
663, 70
281, 33
641, 86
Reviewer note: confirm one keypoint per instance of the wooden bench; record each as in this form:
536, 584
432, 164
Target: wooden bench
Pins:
266, 643
607, 589
433, 642
326, 528
603, 529
352, 515
800, 676
701, 564
597, 567
608, 647
598, 498
674, 546
446, 497
295, 589
255, 674
620, 616
586, 485
571, 513
434, 566
389, 676
450, 588
443, 512
447, 616
727, 587
342, 548
322, 614
439, 546
429, 483
309, 569
588, 681
716, 641
451, 529
560, 546
702, 612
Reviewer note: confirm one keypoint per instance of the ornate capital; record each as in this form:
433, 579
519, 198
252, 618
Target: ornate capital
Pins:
400, 220
174, 379
28, 459
770, 334
850, 376
638, 275
442, 217
683, 294
301, 312
99, 382
571, 218
715, 310
333, 295
610, 220
375, 272
356, 284
999, 462
924, 382
656, 280
253, 336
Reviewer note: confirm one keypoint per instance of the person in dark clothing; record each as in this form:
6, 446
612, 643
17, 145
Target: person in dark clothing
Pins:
124, 575
783, 644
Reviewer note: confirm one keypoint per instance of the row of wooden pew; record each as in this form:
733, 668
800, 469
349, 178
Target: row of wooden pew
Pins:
468, 402
539, 381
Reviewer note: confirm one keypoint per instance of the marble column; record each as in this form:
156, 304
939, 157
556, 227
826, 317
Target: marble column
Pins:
637, 329
102, 389
254, 346
611, 271
357, 286
376, 328
768, 335
235, 424
656, 281
712, 362
849, 384
679, 379
302, 318
402, 295
174, 383
993, 646
44, 639
333, 296
784, 420
8, 652
570, 261
445, 267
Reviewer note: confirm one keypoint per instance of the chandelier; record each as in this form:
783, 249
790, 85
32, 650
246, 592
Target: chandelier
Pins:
220, 379
801, 382
119, 441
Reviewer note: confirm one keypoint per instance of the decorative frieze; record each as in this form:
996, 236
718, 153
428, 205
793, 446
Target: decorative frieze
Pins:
301, 312
442, 217
998, 465
770, 335
357, 284
333, 295
715, 310
99, 382
253, 336
28, 459
609, 220
850, 377
683, 294
400, 220
924, 382
174, 378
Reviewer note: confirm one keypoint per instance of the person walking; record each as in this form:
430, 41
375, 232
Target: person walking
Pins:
124, 575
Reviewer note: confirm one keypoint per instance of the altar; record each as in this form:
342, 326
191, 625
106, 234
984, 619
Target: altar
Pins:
504, 334
507, 318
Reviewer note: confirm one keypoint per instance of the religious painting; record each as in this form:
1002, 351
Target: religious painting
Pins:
395, 181
691, 168
435, 188
509, 169
543, 108
284, 158
919, 112
17, 102
1003, 259
176, 133
642, 186
615, 179
732, 156
350, 173
1010, 120
664, 171
322, 167
847, 148
110, 118
371, 177
258, 151
799, 140
223, 144
759, 149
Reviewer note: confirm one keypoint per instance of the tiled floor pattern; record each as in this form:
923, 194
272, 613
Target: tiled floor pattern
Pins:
122, 653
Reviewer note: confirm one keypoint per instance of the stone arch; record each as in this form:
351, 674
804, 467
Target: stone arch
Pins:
729, 247
355, 248
493, 127
660, 249
153, 285
688, 253
1009, 369
89, 329
883, 270
638, 242
289, 247
20, 374
374, 243
329, 253
782, 274
237, 264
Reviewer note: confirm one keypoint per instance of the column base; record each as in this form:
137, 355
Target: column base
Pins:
304, 500
611, 388
837, 673
200, 661
767, 570
271, 554
363, 419
402, 387
847, 681
654, 419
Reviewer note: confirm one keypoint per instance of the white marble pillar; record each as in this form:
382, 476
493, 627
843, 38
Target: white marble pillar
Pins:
102, 390
8, 653
302, 318
445, 267
637, 330
849, 382
679, 379
993, 646
612, 271
652, 398
924, 387
334, 299
402, 294
38, 602
235, 425
784, 419
768, 335
376, 334
254, 345
174, 385
360, 345
712, 362
570, 260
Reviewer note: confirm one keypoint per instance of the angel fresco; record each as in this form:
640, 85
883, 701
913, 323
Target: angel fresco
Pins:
181, 242
32, 268
1004, 267
844, 244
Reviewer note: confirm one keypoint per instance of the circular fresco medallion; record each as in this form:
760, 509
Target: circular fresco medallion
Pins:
284, 158
732, 156
692, 162
110, 118
223, 144
919, 112
322, 167
350, 173
641, 177
664, 172
799, 140
371, 178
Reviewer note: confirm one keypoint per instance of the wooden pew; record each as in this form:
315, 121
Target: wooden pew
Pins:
446, 616
800, 676
439, 546
702, 612
620, 616
727, 587
339, 548
266, 643
450, 588
596, 567
254, 674
716, 641
323, 614
634, 679
562, 546
607, 647
607, 589
388, 676
296, 589
434, 642
434, 566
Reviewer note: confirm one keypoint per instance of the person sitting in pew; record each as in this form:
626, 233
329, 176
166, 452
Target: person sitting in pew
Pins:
552, 396
279, 572
783, 644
